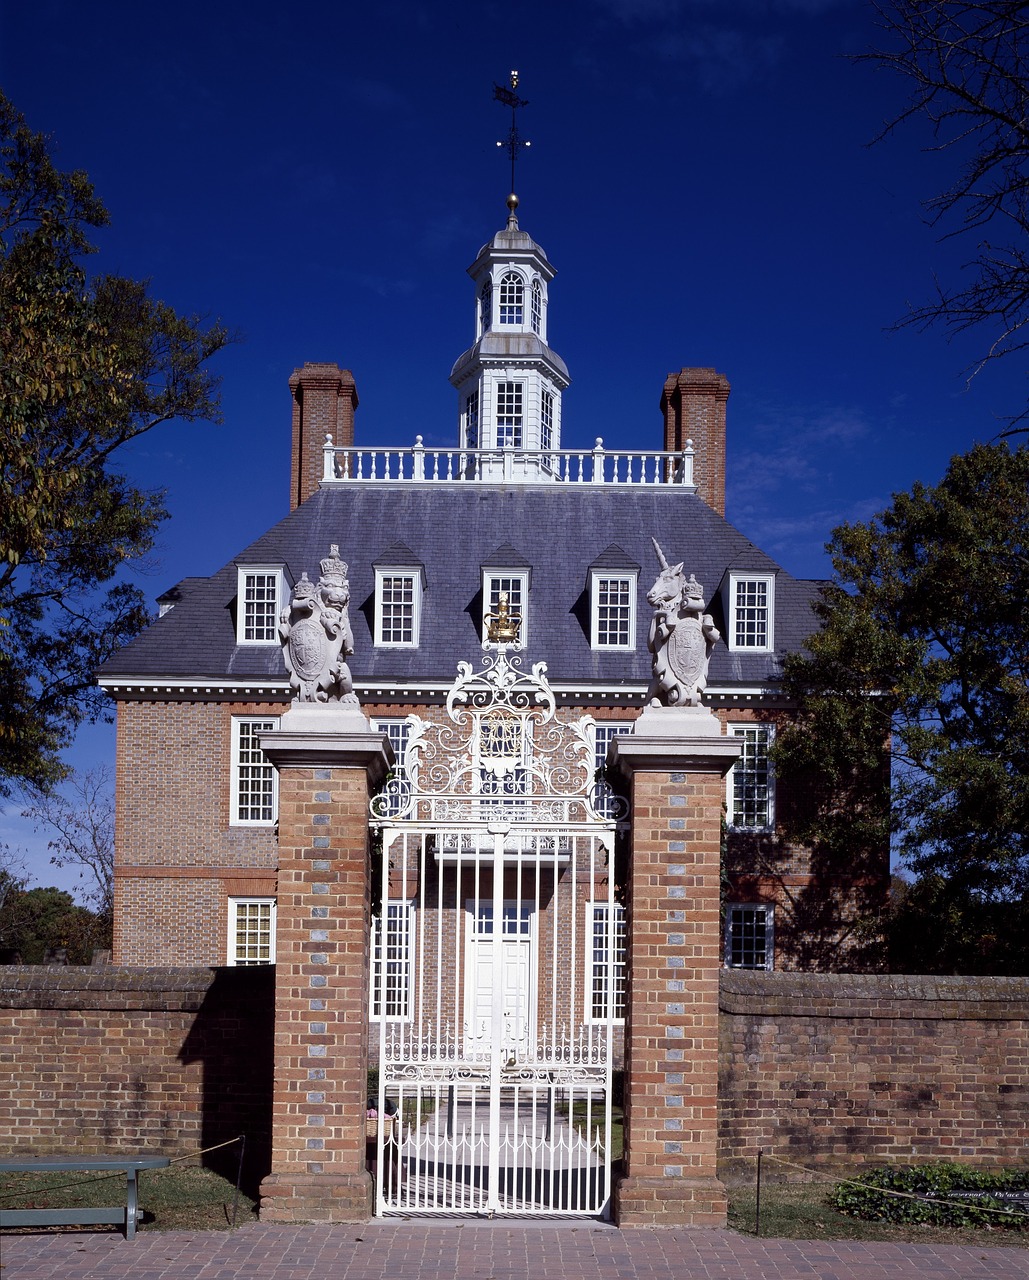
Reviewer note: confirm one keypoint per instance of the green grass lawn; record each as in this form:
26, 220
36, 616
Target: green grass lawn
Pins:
182, 1196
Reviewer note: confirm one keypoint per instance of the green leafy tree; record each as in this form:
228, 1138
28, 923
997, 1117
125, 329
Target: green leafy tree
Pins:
46, 923
967, 68
86, 365
925, 645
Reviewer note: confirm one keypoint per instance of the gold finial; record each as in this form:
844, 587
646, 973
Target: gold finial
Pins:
502, 627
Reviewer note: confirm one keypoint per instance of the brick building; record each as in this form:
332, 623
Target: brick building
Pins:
438, 542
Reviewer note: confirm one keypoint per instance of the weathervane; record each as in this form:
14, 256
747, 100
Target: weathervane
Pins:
514, 140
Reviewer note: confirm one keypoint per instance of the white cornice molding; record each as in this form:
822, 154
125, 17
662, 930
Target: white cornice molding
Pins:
277, 688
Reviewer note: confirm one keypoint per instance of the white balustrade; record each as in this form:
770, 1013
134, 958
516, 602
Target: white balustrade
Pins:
421, 465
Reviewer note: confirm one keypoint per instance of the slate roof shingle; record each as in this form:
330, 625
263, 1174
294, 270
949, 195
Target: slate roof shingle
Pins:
560, 531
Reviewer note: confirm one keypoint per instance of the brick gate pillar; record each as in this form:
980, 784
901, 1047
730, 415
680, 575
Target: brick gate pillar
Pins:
676, 762
328, 761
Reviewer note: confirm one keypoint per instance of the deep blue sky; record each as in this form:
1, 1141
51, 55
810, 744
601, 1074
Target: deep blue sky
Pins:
321, 176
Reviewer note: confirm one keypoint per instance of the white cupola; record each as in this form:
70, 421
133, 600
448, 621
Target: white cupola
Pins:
509, 383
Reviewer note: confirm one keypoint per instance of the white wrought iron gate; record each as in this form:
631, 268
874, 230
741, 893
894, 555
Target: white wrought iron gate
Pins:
497, 970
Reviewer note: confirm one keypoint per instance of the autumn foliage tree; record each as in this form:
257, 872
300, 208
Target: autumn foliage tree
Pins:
87, 363
925, 644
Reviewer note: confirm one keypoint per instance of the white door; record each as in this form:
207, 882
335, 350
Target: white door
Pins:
516, 967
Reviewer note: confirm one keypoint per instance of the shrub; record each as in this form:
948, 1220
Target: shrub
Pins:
930, 1184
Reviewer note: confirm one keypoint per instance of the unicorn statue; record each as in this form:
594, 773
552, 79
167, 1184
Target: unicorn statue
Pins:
681, 639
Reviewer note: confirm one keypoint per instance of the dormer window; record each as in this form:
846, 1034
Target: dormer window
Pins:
613, 610
512, 294
536, 308
751, 612
399, 584
258, 597
506, 573
612, 586
516, 585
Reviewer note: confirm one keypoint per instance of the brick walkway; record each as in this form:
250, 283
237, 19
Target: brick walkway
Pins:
486, 1251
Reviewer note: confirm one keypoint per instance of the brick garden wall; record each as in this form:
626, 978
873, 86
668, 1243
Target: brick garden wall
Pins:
812, 1067
817, 1067
121, 1060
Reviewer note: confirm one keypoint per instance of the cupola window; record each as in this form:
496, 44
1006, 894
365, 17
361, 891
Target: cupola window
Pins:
546, 421
512, 294
471, 421
486, 307
536, 307
509, 415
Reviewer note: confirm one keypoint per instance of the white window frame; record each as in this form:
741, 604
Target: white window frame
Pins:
403, 937
509, 413
546, 422
603, 732
733, 923
511, 309
472, 420
486, 307
736, 610
246, 575
235, 958
493, 581
384, 574
536, 307
240, 742
398, 732
755, 733
627, 580
606, 984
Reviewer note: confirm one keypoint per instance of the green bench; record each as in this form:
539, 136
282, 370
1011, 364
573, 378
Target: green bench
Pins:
126, 1215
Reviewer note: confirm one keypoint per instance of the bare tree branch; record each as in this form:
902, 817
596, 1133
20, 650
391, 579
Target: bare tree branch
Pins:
967, 68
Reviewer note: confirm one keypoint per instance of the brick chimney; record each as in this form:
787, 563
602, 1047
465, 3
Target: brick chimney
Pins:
693, 404
324, 400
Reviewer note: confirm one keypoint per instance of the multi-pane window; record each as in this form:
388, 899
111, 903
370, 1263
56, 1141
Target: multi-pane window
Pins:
603, 732
257, 613
605, 947
251, 931
751, 613
748, 936
397, 602
536, 307
509, 415
751, 788
471, 421
546, 421
254, 780
512, 293
393, 800
614, 611
485, 307
515, 585
391, 962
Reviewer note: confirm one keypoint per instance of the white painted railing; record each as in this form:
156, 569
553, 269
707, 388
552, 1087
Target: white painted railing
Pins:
421, 465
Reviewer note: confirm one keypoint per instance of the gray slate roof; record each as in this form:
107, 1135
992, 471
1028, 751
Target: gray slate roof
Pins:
453, 530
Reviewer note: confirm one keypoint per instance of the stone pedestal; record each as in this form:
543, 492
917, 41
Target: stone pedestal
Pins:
676, 761
328, 762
